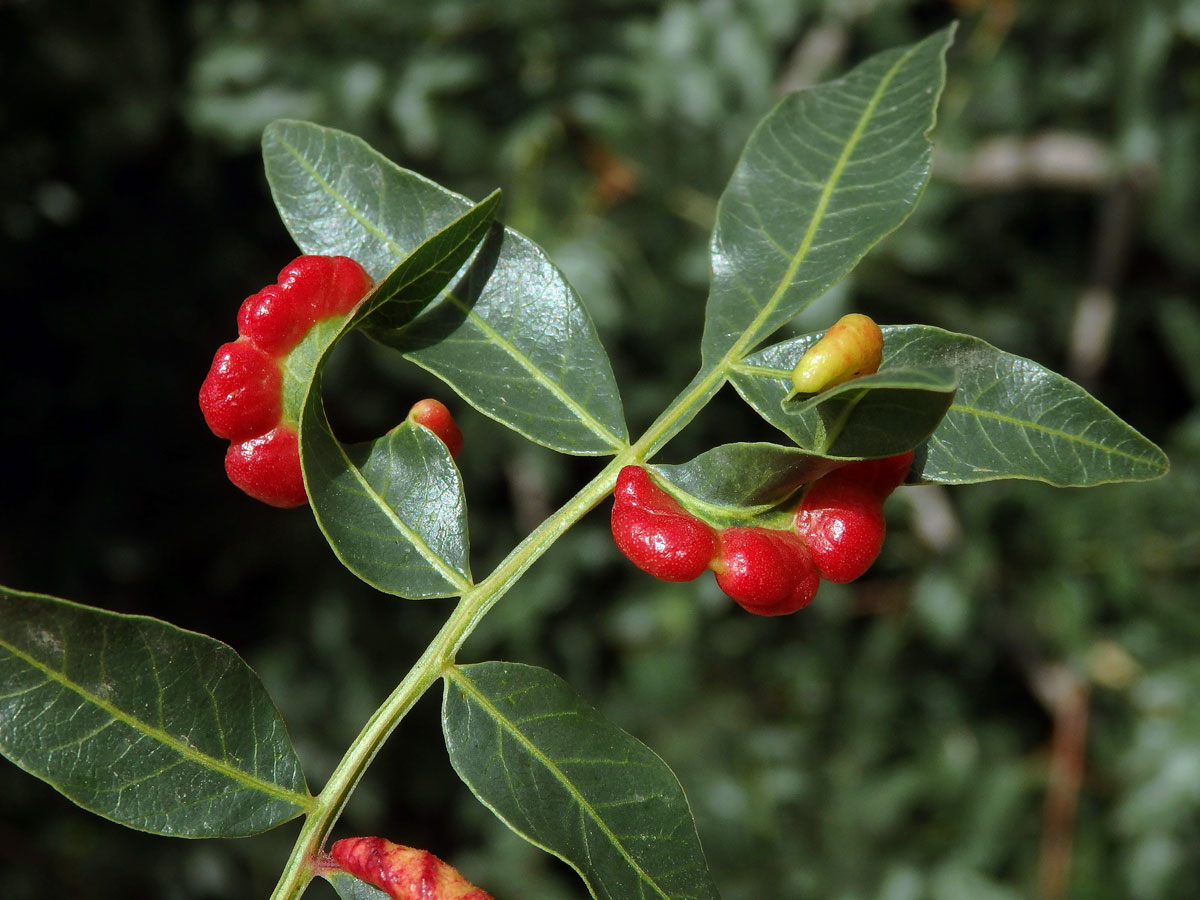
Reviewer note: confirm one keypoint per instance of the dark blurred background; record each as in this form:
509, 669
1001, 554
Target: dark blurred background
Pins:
1000, 709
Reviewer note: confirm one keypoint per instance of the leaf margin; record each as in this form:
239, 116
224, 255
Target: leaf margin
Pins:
316, 435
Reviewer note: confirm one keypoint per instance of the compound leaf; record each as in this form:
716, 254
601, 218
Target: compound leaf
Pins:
564, 778
151, 726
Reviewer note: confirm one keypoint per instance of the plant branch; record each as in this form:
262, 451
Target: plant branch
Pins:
472, 607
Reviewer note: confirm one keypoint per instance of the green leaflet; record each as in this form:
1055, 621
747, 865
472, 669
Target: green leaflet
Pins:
393, 509
510, 335
1010, 417
564, 778
824, 176
154, 727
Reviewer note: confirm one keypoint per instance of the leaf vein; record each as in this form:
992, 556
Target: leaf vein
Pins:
551, 766
492, 336
303, 801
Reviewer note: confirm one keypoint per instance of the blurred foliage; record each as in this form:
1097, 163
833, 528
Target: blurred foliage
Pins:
913, 735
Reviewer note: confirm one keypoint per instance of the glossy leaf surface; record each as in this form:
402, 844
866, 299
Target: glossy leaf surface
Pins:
393, 509
753, 476
424, 272
154, 727
520, 347
510, 335
1010, 418
889, 412
564, 778
825, 175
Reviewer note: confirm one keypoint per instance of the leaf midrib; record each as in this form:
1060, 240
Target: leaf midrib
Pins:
750, 335
370, 227
587, 419
718, 374
468, 687
443, 568
302, 801
1046, 429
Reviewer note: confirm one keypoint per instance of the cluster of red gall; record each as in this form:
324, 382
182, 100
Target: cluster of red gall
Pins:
836, 533
242, 396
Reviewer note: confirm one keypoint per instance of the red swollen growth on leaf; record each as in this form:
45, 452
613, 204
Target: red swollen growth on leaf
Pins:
841, 521
268, 468
434, 415
348, 283
768, 573
882, 476
403, 873
309, 289
655, 533
303, 280
324, 285
240, 397
268, 319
